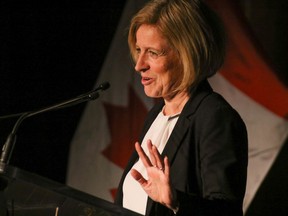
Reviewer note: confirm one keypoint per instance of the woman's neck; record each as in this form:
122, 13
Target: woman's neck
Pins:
176, 104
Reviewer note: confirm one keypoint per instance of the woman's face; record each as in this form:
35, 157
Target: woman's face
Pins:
157, 63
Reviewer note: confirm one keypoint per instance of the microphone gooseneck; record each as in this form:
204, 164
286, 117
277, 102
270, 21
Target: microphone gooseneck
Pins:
8, 147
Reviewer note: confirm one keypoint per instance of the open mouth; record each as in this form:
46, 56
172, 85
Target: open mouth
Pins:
146, 80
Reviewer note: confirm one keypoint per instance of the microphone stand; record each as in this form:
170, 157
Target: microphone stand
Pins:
11, 139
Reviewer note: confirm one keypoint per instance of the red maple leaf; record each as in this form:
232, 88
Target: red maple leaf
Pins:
125, 124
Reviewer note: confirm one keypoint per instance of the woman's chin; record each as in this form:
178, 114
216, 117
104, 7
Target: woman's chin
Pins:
152, 94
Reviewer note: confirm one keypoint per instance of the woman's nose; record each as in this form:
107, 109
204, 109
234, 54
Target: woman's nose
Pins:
141, 63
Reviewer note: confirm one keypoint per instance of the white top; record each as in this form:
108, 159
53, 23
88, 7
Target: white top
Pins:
134, 197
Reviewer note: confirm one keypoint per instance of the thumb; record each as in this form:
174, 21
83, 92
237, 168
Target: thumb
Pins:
138, 177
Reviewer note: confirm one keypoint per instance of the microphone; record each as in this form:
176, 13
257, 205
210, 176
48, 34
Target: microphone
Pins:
11, 139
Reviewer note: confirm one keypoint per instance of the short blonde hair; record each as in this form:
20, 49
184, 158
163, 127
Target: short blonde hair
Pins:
192, 29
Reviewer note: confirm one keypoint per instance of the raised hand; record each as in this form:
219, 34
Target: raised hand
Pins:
157, 186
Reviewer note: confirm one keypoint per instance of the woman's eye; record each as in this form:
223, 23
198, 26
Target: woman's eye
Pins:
153, 53
138, 51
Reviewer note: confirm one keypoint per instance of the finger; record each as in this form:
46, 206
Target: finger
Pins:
138, 177
158, 158
166, 166
144, 158
151, 153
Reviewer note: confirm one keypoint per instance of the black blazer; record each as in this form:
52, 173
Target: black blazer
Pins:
207, 151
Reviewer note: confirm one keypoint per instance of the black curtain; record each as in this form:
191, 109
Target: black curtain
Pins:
50, 51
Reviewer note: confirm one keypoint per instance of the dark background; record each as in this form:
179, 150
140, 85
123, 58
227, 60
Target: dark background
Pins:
53, 50
50, 51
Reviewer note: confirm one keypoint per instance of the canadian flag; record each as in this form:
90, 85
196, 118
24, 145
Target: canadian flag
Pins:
110, 126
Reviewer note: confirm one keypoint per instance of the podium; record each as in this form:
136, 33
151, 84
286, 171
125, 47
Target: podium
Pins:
26, 194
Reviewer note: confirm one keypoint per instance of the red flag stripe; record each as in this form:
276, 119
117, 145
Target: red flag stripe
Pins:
245, 66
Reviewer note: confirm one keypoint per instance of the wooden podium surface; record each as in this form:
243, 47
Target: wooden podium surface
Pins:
27, 194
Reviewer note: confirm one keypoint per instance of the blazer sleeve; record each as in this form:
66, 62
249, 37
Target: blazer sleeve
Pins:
222, 155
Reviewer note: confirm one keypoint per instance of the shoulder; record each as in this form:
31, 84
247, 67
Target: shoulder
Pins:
215, 109
207, 107
204, 100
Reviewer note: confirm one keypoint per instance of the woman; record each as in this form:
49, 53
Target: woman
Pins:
192, 155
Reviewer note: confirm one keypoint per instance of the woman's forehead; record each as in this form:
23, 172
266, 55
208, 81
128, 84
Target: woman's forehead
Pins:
150, 35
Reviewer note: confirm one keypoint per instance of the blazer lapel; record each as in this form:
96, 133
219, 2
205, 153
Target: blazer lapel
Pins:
183, 123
